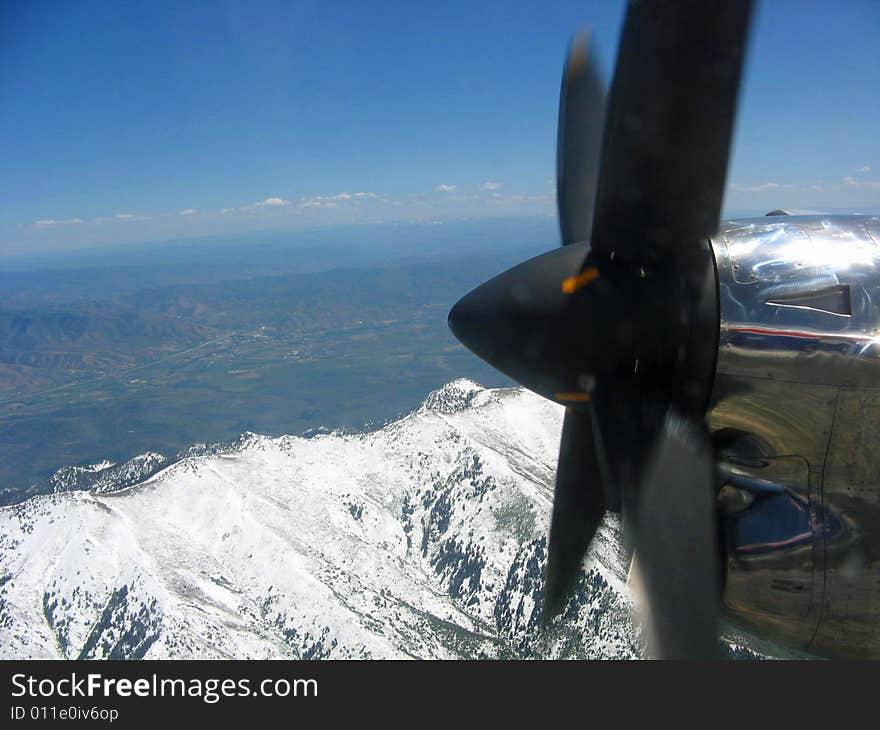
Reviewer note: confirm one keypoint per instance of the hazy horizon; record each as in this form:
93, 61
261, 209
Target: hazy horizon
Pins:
179, 122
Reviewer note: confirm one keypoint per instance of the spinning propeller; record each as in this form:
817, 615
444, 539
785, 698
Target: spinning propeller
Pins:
621, 324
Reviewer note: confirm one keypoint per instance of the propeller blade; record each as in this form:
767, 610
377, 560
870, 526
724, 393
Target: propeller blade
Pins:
579, 141
578, 508
675, 537
668, 127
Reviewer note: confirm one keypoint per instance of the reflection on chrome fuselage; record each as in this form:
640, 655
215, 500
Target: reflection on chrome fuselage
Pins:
795, 415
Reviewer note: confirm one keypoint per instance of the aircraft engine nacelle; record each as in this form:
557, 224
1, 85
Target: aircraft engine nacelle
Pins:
795, 419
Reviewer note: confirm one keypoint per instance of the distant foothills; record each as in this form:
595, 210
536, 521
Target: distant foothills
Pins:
109, 353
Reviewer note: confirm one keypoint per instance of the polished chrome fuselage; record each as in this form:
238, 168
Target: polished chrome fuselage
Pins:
795, 416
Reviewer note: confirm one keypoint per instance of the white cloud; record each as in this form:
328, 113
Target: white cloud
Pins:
854, 183
863, 168
316, 203
445, 188
272, 203
120, 217
320, 201
45, 222
338, 196
489, 185
760, 188
267, 203
331, 201
849, 183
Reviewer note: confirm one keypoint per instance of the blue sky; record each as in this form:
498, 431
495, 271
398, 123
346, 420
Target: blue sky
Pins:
136, 121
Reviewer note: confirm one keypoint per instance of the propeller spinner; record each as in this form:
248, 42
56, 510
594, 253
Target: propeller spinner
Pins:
621, 324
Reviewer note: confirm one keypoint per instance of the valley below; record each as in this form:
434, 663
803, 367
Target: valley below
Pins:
95, 366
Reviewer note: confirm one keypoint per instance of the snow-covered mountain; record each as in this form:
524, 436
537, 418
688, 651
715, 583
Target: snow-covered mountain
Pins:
105, 476
425, 538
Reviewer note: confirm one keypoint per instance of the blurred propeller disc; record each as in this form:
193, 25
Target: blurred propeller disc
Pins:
621, 325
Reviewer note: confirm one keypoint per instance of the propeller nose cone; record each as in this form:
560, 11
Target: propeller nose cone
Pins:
476, 317
517, 321
485, 319
460, 320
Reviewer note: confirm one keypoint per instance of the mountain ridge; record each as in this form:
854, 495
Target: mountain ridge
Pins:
424, 538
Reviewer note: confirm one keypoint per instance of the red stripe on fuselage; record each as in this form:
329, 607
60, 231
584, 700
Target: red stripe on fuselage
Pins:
796, 333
